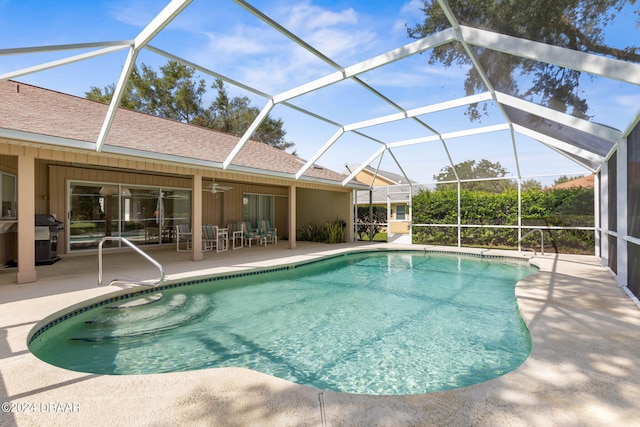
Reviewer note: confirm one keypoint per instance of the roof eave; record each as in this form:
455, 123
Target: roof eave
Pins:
54, 142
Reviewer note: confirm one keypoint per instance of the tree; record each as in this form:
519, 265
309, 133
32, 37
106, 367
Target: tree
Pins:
471, 170
562, 180
173, 95
369, 227
105, 95
176, 95
235, 115
531, 184
573, 24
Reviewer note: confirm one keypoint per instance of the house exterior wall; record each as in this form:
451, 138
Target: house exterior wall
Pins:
401, 227
323, 206
54, 168
366, 177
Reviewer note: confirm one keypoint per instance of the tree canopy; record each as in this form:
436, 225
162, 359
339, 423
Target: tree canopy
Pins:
176, 94
482, 171
470, 169
573, 24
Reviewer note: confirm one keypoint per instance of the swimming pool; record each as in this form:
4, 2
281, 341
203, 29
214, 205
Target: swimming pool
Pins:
369, 323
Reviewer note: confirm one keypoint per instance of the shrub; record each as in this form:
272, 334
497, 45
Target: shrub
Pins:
331, 232
568, 208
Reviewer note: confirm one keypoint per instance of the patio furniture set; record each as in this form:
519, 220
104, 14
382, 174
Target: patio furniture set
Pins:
218, 238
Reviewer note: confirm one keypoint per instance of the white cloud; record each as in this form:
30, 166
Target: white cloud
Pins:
336, 34
409, 14
631, 101
412, 7
306, 17
337, 43
134, 12
420, 76
239, 42
260, 56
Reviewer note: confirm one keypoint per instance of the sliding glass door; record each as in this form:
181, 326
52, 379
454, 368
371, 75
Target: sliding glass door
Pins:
143, 215
256, 207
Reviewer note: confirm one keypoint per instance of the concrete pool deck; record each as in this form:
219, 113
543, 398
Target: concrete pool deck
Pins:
583, 369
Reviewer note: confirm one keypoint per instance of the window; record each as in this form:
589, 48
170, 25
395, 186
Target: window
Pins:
143, 215
8, 196
401, 212
256, 207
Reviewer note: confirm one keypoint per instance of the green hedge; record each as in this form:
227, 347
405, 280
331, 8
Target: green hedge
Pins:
564, 208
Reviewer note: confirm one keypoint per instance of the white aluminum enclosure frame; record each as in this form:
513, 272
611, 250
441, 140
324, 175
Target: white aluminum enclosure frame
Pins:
584, 62
591, 158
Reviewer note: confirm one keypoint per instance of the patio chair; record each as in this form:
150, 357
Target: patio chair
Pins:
222, 238
151, 232
270, 234
250, 234
236, 231
209, 240
184, 236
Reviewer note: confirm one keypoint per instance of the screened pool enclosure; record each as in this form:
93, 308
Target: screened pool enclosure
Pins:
547, 93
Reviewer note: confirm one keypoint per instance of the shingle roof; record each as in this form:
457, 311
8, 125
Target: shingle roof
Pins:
393, 193
390, 176
584, 182
35, 110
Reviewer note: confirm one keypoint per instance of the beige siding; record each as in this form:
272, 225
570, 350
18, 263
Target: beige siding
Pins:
400, 227
232, 200
54, 168
324, 206
366, 177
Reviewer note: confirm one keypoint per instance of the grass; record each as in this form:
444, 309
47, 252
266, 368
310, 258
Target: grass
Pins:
379, 237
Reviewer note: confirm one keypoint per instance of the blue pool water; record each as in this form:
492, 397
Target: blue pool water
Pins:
374, 323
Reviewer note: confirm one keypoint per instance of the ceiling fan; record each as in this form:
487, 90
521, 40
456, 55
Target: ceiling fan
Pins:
214, 188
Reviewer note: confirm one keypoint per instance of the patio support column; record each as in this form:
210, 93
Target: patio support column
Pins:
621, 211
196, 218
371, 216
292, 217
604, 214
389, 233
26, 214
597, 214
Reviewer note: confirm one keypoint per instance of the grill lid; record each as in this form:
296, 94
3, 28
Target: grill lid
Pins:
46, 220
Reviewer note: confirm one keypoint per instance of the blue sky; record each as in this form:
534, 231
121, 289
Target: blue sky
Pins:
227, 39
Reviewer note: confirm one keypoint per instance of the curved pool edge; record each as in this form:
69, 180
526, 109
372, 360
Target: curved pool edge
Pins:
134, 290
542, 391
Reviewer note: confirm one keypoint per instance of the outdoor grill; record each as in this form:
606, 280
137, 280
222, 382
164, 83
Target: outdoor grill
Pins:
47, 228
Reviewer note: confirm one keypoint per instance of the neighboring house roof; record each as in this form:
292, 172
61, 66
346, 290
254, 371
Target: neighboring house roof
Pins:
585, 182
382, 174
395, 194
30, 112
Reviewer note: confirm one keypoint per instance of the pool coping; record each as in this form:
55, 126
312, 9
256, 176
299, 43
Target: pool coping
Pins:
583, 367
137, 289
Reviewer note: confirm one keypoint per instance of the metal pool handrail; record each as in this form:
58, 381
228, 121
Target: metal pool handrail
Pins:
137, 249
541, 239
